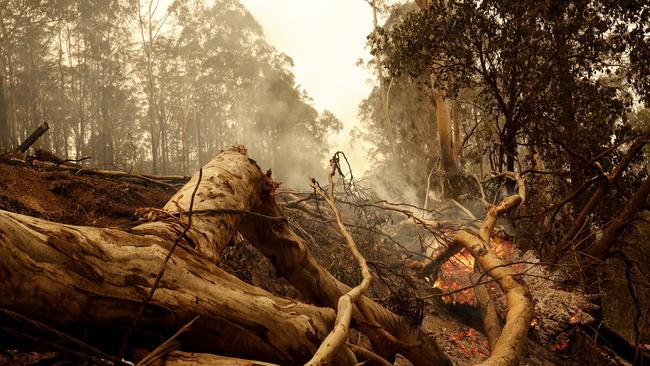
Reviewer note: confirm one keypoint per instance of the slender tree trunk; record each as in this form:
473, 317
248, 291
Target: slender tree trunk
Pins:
443, 121
455, 117
4, 123
13, 124
388, 126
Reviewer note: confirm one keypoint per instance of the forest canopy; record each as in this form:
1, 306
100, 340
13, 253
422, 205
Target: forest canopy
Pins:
139, 86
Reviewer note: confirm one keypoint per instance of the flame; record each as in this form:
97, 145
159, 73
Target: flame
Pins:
455, 272
454, 276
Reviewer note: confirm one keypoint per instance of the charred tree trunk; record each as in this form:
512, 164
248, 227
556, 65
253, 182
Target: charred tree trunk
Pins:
601, 249
33, 137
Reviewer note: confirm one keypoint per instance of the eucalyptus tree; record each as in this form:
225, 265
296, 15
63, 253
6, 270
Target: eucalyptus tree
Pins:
558, 77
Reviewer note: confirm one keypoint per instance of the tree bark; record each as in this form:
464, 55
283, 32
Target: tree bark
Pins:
72, 277
176, 358
490, 317
443, 121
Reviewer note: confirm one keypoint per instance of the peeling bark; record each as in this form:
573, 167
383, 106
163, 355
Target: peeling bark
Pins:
70, 276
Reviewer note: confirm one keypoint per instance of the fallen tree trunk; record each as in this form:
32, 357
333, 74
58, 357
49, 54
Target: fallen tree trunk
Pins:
270, 233
64, 275
176, 358
73, 277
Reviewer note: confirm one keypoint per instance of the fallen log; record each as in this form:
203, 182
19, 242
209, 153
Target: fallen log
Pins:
176, 358
223, 204
72, 277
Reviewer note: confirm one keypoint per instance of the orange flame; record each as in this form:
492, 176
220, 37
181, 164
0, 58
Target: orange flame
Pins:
455, 272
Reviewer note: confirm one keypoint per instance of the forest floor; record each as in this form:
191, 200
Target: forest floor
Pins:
66, 197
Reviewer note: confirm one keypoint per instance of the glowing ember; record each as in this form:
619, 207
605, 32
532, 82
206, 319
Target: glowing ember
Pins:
454, 273
560, 346
469, 343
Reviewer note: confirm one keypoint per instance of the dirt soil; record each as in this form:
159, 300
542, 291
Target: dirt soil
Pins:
64, 197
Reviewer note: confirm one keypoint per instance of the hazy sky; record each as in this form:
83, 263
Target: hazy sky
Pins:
325, 38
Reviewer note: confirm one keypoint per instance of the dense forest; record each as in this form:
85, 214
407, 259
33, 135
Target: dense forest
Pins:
504, 219
137, 86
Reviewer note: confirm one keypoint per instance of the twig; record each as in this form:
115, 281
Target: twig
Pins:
336, 338
166, 346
